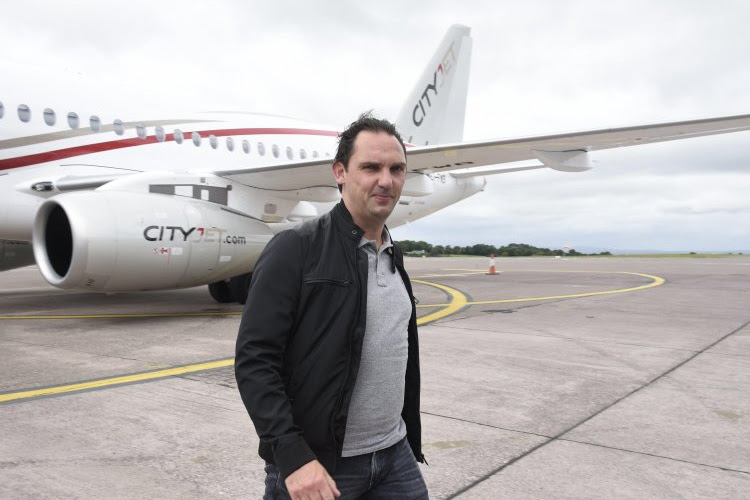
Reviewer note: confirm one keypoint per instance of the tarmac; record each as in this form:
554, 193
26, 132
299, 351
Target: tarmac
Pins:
572, 378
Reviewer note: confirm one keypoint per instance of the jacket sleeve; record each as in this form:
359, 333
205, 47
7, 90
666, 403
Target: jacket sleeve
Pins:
266, 327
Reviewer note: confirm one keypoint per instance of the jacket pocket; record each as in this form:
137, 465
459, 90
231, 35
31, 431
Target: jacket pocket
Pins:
327, 281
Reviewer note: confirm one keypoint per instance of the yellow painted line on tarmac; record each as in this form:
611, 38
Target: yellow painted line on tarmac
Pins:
124, 379
458, 302
657, 281
122, 315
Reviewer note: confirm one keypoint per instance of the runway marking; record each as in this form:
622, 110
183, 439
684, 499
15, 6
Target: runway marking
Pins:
113, 381
657, 281
458, 301
122, 315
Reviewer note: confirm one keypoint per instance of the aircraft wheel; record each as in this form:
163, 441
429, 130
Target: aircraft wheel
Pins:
219, 290
239, 286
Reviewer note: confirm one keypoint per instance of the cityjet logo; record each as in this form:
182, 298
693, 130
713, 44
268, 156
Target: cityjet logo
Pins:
195, 235
444, 69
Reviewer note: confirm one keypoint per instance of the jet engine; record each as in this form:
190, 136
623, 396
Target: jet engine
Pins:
123, 241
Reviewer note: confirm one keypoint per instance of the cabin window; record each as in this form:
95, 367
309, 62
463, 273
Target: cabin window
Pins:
49, 117
2, 109
246, 146
275, 150
159, 133
213, 141
302, 154
140, 130
261, 149
178, 137
196, 138
289, 153
230, 144
24, 113
95, 123
73, 120
119, 127
315, 154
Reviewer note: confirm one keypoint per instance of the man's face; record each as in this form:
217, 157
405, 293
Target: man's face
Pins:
372, 184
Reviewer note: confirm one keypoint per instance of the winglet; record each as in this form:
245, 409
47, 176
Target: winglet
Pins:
434, 111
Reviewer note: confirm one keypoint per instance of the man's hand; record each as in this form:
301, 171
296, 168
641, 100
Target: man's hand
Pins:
311, 482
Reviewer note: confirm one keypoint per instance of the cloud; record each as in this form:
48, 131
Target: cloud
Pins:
537, 68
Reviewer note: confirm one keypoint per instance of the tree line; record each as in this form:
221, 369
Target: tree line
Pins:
482, 249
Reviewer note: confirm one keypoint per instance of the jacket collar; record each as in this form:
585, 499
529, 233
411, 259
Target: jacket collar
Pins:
344, 223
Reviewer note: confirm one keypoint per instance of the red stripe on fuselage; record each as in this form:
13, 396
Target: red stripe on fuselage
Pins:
61, 154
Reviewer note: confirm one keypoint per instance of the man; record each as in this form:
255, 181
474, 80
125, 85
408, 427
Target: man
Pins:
327, 357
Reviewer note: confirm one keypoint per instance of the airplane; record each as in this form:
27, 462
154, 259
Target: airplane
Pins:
106, 204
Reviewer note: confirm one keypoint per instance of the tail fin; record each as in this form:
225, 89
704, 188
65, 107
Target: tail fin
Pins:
434, 112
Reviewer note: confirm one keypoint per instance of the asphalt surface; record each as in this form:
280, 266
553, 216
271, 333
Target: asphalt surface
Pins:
578, 378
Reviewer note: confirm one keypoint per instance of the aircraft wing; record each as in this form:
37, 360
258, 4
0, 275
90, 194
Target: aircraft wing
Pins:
560, 151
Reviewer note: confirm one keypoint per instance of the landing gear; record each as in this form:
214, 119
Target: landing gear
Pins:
220, 291
231, 290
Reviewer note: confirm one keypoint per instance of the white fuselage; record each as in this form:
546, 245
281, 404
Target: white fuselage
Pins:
145, 210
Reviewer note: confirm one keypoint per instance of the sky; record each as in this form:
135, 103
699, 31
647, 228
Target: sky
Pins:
538, 67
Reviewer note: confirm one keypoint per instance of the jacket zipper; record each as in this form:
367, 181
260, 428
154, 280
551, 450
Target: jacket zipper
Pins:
327, 281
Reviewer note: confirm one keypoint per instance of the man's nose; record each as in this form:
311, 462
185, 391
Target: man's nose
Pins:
385, 179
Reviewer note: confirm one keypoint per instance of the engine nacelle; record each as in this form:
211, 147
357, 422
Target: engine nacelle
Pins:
122, 241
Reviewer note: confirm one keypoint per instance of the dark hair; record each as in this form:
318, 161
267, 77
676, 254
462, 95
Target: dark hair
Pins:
365, 122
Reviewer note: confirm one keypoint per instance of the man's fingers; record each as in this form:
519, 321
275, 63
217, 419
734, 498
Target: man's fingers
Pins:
332, 485
311, 482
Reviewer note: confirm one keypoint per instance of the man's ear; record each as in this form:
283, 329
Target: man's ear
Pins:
339, 172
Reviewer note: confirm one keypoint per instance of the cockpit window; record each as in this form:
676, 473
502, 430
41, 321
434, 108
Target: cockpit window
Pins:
49, 117
73, 120
24, 113
118, 126
95, 123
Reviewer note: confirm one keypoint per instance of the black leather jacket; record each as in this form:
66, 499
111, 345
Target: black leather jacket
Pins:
300, 342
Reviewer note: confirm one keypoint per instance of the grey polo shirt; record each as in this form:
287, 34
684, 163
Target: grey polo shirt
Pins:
374, 421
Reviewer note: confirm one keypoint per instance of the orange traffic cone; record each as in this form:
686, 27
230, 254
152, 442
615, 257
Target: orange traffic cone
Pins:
492, 264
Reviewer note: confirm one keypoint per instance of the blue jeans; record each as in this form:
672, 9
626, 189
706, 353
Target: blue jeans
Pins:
389, 474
